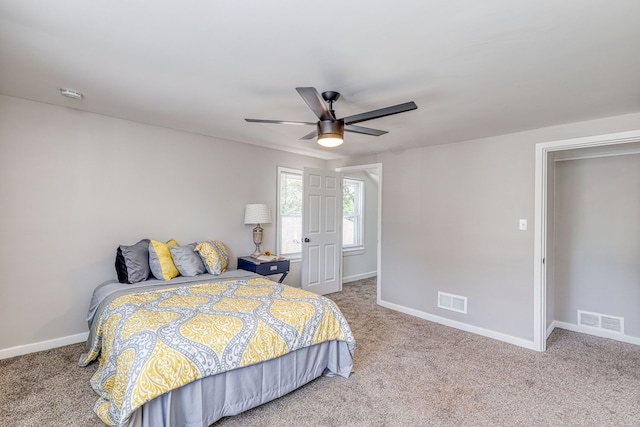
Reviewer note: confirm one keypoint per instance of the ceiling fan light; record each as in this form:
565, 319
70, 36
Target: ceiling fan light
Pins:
330, 133
330, 140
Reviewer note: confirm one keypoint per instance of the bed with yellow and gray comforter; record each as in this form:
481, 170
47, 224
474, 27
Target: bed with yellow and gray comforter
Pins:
188, 353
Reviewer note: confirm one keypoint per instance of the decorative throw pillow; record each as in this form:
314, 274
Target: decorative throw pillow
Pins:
187, 260
160, 260
132, 262
215, 259
223, 251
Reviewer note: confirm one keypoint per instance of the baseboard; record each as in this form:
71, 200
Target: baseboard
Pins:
460, 325
361, 276
20, 350
550, 329
597, 332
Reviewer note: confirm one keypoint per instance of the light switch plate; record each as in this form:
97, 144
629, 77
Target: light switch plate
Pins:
523, 224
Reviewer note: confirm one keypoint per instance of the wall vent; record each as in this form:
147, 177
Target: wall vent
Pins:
601, 321
452, 302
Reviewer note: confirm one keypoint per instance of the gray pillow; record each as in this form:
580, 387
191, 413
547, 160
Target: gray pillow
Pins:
187, 260
132, 262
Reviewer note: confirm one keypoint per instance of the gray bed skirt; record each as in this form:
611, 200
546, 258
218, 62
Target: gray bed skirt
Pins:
204, 401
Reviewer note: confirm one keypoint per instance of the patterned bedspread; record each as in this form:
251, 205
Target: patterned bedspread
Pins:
151, 342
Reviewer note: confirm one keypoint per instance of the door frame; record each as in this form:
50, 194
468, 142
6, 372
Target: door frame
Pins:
378, 167
543, 150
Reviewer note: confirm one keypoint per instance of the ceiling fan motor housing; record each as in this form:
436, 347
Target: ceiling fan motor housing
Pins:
331, 129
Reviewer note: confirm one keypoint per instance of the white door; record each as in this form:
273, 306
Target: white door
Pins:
321, 231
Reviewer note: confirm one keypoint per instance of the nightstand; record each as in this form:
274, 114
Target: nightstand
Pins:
264, 268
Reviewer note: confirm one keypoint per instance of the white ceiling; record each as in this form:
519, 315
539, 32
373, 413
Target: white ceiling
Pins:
474, 68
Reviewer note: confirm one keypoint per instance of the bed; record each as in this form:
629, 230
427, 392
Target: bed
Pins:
191, 350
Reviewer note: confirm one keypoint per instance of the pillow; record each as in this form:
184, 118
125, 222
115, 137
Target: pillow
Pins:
187, 260
132, 262
223, 251
214, 255
160, 260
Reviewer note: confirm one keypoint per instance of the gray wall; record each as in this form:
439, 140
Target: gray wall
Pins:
75, 185
450, 223
597, 234
355, 266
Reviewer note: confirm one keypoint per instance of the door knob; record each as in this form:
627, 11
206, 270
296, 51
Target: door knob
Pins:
306, 240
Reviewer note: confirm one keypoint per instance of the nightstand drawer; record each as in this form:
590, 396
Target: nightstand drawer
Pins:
264, 268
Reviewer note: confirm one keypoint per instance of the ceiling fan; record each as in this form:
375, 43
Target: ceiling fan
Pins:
329, 129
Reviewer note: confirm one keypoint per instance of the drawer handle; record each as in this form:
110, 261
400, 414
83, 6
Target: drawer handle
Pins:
273, 268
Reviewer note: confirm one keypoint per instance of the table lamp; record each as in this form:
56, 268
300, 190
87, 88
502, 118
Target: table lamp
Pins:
257, 213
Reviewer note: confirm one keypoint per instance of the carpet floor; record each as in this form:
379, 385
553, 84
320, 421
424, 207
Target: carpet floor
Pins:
407, 372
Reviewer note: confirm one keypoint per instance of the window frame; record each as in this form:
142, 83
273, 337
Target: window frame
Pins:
359, 229
281, 171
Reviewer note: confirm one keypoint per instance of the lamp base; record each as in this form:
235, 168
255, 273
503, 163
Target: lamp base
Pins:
257, 240
256, 254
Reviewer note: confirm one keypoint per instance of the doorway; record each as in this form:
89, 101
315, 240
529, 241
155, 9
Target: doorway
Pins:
365, 261
593, 273
543, 179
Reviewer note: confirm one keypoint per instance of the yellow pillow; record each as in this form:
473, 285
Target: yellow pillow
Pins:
214, 255
160, 260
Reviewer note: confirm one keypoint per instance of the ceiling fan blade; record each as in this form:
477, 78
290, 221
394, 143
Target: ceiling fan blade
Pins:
383, 112
282, 122
310, 135
366, 131
315, 102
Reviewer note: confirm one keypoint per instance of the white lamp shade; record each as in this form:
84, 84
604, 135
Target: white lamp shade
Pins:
257, 213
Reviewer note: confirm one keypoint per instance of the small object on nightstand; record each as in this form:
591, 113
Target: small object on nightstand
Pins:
265, 268
267, 258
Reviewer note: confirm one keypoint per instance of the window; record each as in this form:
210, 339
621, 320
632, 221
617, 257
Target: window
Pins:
352, 213
289, 221
289, 212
